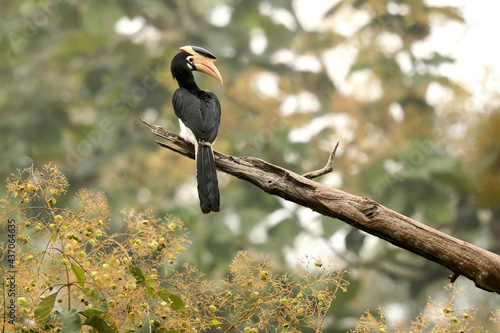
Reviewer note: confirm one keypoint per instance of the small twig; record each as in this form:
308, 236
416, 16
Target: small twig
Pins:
327, 168
453, 277
318, 330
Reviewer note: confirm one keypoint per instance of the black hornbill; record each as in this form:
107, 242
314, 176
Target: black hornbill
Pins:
199, 114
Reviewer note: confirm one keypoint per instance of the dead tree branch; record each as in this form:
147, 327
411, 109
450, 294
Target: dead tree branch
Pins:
461, 258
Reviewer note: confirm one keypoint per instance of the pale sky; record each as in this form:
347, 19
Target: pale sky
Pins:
475, 45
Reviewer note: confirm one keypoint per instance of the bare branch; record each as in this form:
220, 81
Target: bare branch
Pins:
462, 258
327, 168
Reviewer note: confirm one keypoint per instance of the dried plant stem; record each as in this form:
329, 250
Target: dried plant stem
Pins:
318, 330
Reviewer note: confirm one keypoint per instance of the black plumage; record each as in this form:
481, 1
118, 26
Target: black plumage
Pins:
199, 114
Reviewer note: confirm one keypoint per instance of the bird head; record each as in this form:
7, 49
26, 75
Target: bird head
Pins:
196, 59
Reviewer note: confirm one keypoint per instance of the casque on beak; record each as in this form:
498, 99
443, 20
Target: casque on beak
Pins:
203, 61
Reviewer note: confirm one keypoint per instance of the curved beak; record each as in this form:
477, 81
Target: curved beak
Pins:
203, 61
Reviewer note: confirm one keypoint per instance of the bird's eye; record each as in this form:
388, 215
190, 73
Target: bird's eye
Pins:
190, 63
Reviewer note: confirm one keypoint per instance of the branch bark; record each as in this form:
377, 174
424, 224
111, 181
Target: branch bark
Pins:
462, 258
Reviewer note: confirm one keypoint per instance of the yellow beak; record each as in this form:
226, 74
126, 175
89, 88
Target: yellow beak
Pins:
207, 66
204, 63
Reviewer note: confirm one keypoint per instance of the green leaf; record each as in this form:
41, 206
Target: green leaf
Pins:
79, 273
137, 273
45, 307
91, 313
96, 299
95, 319
213, 323
177, 303
150, 286
70, 320
145, 279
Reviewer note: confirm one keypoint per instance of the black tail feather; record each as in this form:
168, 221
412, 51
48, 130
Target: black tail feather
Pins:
208, 187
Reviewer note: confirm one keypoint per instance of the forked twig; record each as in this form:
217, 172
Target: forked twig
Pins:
327, 168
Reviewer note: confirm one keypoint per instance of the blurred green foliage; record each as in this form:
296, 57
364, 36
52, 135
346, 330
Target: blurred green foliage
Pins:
75, 85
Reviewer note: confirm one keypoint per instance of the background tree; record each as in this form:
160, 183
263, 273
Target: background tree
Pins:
80, 74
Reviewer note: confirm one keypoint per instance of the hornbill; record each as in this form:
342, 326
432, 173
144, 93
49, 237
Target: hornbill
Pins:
199, 115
